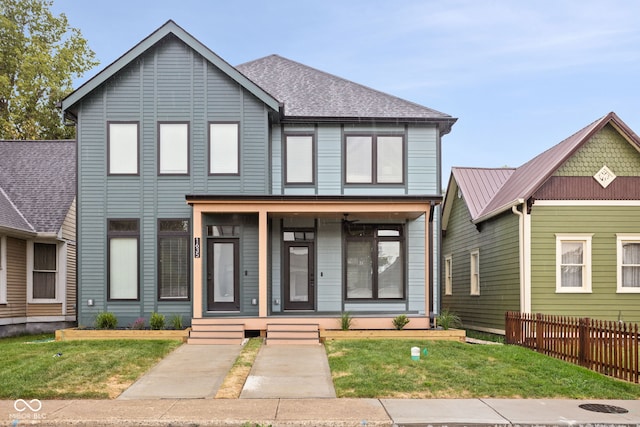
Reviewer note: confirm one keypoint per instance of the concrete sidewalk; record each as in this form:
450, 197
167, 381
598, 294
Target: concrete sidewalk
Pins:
316, 412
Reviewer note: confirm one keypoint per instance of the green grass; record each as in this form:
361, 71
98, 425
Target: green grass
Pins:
485, 336
384, 369
85, 369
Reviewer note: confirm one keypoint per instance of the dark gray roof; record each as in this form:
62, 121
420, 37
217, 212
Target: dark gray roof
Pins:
38, 184
311, 93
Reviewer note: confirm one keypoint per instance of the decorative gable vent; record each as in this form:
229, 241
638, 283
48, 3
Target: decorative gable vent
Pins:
604, 176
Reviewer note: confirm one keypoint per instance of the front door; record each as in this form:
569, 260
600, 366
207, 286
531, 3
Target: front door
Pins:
299, 280
223, 290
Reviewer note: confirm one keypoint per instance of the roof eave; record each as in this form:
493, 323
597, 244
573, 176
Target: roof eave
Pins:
444, 123
497, 211
170, 27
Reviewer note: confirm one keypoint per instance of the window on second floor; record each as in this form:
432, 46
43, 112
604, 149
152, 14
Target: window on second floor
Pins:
374, 159
573, 263
224, 148
628, 264
122, 148
299, 164
173, 148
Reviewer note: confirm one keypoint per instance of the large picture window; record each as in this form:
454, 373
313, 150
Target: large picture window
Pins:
573, 263
374, 159
224, 148
628, 264
299, 167
374, 262
173, 148
173, 259
123, 142
123, 244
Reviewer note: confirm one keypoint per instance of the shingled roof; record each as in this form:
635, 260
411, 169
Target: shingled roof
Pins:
310, 93
37, 184
486, 195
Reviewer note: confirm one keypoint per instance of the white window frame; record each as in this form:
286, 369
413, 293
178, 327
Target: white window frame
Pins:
224, 159
448, 275
61, 272
585, 239
173, 148
123, 159
474, 272
3, 269
620, 239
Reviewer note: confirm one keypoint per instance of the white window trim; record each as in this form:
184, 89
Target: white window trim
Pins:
586, 273
61, 274
3, 269
634, 238
474, 288
448, 275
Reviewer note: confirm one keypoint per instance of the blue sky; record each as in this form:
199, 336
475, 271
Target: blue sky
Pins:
520, 76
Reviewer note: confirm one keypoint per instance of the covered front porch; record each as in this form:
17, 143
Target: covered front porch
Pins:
308, 259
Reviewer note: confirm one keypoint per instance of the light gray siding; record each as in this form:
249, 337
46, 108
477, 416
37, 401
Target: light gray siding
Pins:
422, 160
329, 266
329, 149
416, 265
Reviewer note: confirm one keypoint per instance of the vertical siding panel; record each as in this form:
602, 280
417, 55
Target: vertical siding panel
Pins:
422, 160
329, 266
416, 265
329, 161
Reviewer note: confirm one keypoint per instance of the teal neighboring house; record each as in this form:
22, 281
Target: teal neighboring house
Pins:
557, 235
241, 197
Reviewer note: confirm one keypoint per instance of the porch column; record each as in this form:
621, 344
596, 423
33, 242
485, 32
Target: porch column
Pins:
197, 262
262, 263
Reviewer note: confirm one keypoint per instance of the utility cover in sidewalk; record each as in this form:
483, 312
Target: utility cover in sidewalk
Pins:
607, 409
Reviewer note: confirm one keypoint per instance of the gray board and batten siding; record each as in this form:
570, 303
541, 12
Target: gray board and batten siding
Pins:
169, 82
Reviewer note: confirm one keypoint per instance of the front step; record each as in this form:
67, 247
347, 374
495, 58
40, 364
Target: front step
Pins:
208, 332
292, 334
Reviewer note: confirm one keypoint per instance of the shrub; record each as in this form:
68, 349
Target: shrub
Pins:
138, 323
400, 322
447, 319
106, 320
176, 322
156, 321
345, 321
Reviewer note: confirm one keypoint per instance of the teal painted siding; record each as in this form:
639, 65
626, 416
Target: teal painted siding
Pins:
497, 243
604, 222
170, 82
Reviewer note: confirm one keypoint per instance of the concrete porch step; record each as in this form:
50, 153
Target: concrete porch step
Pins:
292, 334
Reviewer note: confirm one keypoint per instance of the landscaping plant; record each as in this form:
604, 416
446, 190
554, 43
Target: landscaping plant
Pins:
400, 322
176, 322
345, 321
157, 321
106, 320
448, 319
138, 323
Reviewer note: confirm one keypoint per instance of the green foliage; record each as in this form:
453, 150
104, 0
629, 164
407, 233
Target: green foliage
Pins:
176, 321
40, 54
400, 321
384, 369
157, 321
345, 321
448, 319
106, 320
87, 369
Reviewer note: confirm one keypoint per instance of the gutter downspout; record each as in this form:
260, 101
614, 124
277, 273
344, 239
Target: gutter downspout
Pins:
523, 249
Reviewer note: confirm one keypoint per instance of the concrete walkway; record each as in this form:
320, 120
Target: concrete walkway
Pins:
289, 371
317, 412
189, 372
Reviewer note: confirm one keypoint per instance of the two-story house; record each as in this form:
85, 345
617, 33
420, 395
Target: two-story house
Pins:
265, 193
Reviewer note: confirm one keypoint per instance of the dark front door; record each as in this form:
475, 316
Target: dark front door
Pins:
223, 290
299, 280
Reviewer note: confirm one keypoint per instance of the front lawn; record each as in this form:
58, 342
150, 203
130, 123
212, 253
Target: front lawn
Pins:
35, 367
384, 369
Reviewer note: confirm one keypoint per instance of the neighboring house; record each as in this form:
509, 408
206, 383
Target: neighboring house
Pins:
558, 235
268, 192
37, 236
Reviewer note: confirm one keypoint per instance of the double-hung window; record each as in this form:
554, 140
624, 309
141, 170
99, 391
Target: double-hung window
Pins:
448, 275
474, 266
123, 148
374, 159
173, 259
224, 148
173, 148
299, 164
628, 264
45, 271
123, 237
374, 262
573, 263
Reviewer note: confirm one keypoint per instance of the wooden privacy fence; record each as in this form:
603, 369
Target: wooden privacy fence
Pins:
610, 348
